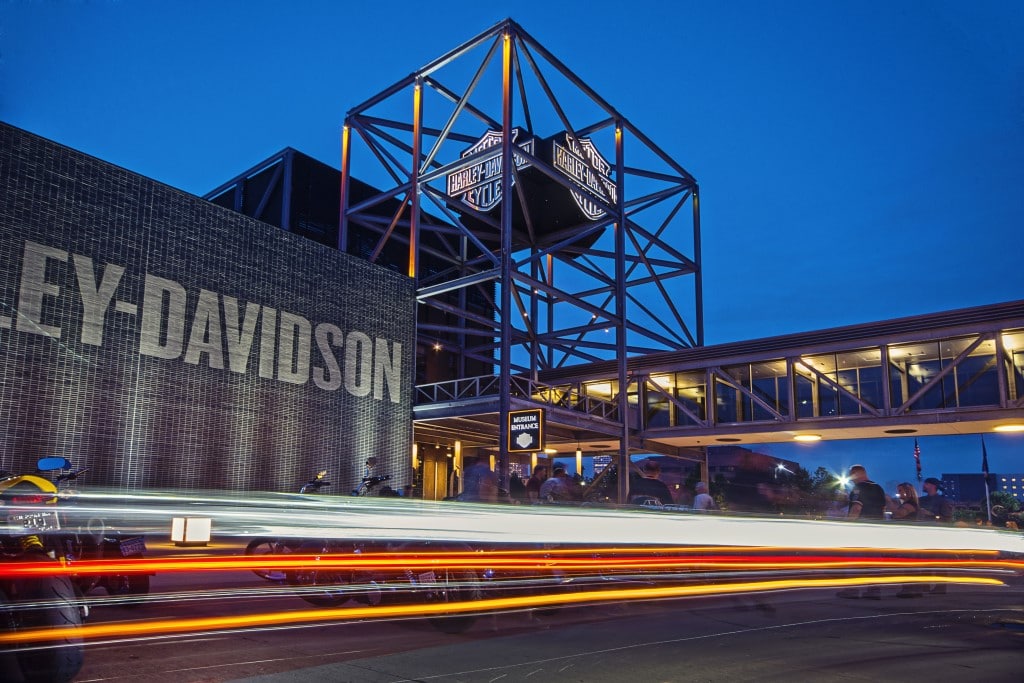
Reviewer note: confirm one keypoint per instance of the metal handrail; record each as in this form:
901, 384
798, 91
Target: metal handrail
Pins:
570, 396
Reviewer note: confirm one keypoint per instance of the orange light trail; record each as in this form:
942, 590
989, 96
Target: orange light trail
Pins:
574, 560
294, 618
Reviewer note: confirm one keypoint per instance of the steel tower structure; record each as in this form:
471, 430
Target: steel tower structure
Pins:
543, 229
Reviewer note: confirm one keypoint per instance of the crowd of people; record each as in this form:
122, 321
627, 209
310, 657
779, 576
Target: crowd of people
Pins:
868, 501
553, 484
865, 500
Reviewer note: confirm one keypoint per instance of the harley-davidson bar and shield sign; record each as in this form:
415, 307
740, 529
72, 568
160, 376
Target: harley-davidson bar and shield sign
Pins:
577, 159
479, 185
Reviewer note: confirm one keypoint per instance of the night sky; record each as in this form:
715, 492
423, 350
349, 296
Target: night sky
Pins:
858, 161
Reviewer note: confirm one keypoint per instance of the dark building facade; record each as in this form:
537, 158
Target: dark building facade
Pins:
164, 341
969, 489
301, 195
966, 489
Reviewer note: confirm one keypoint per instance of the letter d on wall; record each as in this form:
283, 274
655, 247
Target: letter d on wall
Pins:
162, 330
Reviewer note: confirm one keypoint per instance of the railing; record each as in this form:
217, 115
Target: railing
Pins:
570, 396
466, 389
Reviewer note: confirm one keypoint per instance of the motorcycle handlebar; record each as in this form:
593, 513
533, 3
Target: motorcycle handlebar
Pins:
72, 475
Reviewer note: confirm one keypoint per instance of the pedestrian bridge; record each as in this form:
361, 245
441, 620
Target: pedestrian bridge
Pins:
954, 372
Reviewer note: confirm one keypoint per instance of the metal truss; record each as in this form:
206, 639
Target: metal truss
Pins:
525, 284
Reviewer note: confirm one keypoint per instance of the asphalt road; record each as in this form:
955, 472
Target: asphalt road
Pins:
969, 634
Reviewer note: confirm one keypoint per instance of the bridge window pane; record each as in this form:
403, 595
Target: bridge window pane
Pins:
804, 392
826, 397
691, 392
916, 365
870, 383
1018, 374
727, 403
657, 407
860, 374
849, 381
659, 412
897, 384
765, 381
976, 382
768, 383
1013, 345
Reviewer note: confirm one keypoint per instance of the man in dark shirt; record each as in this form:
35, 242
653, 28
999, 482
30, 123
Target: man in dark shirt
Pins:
934, 507
649, 486
867, 499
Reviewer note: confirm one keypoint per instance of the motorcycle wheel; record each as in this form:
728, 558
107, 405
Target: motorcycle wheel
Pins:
54, 605
127, 584
321, 588
268, 546
458, 585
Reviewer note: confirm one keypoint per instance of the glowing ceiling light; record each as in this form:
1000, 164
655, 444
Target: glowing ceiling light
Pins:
1009, 428
807, 437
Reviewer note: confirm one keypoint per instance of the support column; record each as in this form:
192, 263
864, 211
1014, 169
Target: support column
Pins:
506, 283
620, 315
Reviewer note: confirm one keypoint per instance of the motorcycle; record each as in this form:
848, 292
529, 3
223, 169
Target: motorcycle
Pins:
278, 546
92, 539
335, 583
31, 524
332, 587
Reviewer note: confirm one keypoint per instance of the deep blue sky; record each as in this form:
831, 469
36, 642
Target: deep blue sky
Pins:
858, 161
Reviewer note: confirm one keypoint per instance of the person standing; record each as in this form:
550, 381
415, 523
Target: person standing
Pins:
558, 487
905, 508
516, 488
935, 507
533, 484
703, 500
649, 485
867, 499
481, 484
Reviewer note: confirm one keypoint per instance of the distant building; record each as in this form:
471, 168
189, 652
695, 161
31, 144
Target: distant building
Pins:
735, 463
1010, 483
965, 489
969, 489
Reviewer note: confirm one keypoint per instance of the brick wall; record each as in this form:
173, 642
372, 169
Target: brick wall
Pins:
163, 341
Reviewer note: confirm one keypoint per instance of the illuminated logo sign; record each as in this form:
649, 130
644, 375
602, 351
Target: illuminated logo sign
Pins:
525, 430
585, 166
479, 185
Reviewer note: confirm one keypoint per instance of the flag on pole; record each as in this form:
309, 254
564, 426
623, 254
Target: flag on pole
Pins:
984, 471
984, 458
917, 459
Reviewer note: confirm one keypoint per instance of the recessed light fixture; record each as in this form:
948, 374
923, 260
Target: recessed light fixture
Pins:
1009, 428
807, 437
728, 439
550, 450
901, 431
